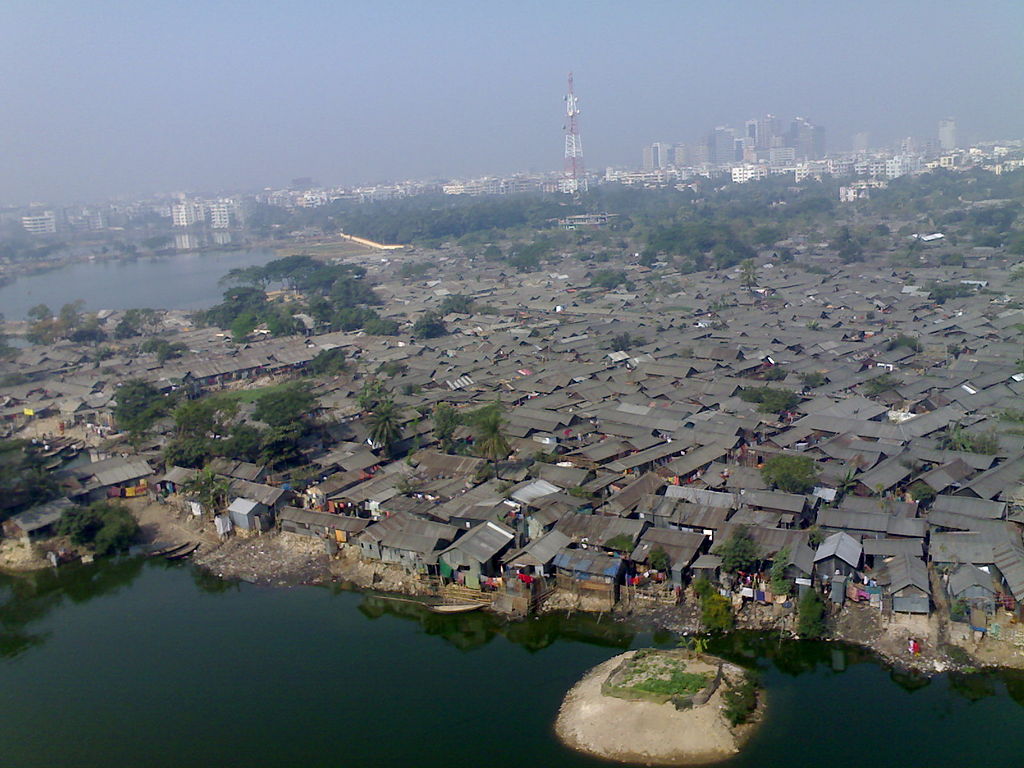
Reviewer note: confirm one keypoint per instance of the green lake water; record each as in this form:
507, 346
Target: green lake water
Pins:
143, 663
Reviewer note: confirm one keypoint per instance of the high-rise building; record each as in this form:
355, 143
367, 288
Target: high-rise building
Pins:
947, 134
806, 139
860, 142
680, 155
657, 156
722, 145
43, 223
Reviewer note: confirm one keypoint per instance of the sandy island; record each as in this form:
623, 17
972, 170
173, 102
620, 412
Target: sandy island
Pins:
642, 731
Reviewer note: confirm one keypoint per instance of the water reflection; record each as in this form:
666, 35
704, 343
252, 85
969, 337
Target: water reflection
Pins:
467, 631
27, 599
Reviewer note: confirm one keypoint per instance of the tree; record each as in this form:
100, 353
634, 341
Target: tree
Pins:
456, 303
812, 379
715, 609
489, 434
811, 616
446, 420
288, 405
328, 362
385, 428
739, 553
793, 474
370, 394
139, 404
24, 479
779, 583
770, 400
109, 528
429, 326
879, 384
748, 274
209, 489
659, 559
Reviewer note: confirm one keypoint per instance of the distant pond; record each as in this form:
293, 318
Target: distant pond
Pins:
136, 662
176, 281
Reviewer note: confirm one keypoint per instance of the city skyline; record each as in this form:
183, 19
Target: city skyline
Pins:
122, 99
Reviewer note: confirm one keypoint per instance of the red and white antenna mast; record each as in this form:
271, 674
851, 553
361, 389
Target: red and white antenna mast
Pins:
575, 180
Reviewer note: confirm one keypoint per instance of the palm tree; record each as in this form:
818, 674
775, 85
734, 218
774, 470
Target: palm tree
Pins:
748, 274
490, 434
384, 425
210, 490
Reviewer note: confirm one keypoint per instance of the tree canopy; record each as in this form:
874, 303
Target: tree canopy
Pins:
793, 474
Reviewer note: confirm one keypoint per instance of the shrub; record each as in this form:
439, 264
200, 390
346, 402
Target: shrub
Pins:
811, 616
740, 701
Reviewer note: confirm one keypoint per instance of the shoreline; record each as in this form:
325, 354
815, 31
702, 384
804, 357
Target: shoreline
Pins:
643, 732
287, 561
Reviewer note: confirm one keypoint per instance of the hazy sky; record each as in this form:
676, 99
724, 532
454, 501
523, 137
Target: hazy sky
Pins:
103, 98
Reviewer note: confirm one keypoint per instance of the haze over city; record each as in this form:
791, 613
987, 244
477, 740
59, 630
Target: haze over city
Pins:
123, 98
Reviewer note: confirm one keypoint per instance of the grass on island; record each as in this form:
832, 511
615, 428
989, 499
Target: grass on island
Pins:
663, 675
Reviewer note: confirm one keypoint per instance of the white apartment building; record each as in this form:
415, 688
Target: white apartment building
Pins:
187, 213
741, 174
44, 223
222, 214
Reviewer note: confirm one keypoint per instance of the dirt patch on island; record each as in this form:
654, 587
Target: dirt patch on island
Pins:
642, 731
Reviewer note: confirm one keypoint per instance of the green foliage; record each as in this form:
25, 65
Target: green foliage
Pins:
381, 327
610, 279
488, 425
24, 480
109, 528
879, 384
775, 373
748, 274
811, 616
163, 349
793, 474
285, 406
623, 341
770, 400
456, 303
780, 585
716, 612
446, 420
620, 543
940, 293
210, 490
812, 379
740, 701
921, 492
659, 559
902, 340
429, 326
955, 438
328, 362
680, 683
385, 429
739, 553
139, 404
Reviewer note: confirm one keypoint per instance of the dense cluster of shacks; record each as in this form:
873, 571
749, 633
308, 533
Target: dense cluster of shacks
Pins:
620, 454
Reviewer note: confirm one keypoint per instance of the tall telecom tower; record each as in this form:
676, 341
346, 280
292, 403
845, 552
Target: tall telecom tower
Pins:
575, 178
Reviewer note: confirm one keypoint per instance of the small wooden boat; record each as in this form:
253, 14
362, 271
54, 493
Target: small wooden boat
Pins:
164, 551
458, 608
188, 550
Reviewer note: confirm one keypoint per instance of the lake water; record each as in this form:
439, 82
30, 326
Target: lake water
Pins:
143, 663
178, 281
